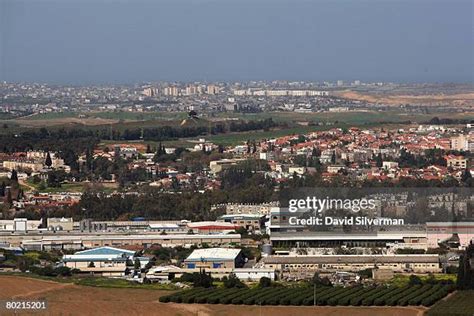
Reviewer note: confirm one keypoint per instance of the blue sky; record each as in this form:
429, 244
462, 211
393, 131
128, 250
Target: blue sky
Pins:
108, 41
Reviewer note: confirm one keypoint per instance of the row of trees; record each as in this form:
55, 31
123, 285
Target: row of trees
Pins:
465, 279
409, 295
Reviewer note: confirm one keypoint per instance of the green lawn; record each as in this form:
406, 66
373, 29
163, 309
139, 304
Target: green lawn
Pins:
72, 187
120, 283
65, 187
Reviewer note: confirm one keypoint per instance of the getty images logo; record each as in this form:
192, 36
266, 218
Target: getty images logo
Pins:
319, 205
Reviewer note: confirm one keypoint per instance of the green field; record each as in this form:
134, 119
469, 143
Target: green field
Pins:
120, 283
294, 122
136, 116
69, 187
51, 116
460, 303
353, 117
113, 115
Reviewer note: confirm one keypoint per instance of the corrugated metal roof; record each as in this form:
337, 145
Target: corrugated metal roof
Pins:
105, 251
211, 254
86, 258
351, 259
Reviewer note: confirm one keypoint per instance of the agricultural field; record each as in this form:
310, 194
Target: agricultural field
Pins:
464, 98
154, 119
99, 297
110, 115
413, 295
460, 303
351, 117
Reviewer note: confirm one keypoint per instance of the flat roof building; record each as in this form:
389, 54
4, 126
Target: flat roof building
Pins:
214, 258
358, 239
448, 232
81, 241
354, 263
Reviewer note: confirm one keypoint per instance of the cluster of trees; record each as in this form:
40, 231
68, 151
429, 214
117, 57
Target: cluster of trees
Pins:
447, 121
465, 279
29, 260
169, 132
69, 143
166, 254
240, 185
318, 281
232, 282
246, 126
53, 271
431, 157
311, 161
10, 189
198, 279
72, 142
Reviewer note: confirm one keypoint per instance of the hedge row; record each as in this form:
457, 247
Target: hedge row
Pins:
348, 299
436, 296
358, 295
295, 297
379, 301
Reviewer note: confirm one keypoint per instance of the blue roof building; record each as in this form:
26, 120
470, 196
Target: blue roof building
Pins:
106, 261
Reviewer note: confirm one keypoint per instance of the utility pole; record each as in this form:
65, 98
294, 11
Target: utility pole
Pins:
314, 294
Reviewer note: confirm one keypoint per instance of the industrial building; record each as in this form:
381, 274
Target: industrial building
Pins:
354, 263
105, 261
452, 233
251, 222
19, 225
166, 273
214, 258
409, 239
81, 241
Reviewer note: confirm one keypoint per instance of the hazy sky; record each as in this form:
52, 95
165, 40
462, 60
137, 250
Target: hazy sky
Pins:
108, 41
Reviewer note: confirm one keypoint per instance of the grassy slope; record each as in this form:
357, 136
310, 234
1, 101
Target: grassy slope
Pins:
460, 303
98, 282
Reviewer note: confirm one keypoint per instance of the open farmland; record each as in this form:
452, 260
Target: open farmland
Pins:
71, 299
64, 121
459, 99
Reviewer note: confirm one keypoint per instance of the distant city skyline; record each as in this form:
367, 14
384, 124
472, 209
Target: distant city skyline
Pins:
124, 42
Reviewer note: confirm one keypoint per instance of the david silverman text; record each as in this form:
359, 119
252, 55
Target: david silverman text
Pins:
345, 221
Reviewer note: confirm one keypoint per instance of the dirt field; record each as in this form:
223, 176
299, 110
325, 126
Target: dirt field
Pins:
464, 99
70, 299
